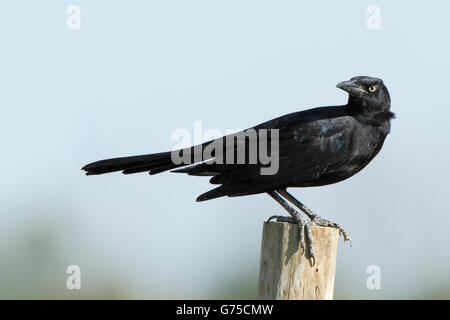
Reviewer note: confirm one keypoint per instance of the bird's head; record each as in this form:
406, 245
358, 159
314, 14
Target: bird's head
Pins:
369, 93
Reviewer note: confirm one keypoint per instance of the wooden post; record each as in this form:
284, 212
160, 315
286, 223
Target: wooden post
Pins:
284, 274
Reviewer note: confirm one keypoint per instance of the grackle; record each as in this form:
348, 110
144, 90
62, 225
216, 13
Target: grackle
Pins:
315, 147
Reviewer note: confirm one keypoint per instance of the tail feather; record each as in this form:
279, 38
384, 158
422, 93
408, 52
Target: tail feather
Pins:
131, 164
212, 194
154, 163
160, 162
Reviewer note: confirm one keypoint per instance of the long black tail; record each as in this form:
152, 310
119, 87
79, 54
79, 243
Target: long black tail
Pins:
154, 163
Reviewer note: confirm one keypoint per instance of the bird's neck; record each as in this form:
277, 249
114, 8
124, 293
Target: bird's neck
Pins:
369, 115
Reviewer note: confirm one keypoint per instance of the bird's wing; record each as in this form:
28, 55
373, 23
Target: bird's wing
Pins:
307, 149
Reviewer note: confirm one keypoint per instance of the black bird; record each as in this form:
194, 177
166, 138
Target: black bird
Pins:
316, 147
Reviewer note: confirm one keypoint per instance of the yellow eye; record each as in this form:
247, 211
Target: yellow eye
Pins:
373, 88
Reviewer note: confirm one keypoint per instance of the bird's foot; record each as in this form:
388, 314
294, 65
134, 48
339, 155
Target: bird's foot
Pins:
321, 222
305, 234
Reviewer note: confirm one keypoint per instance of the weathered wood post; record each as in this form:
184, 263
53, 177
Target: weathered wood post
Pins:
285, 274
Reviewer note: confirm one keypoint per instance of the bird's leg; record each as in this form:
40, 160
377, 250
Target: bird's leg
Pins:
303, 226
315, 219
298, 204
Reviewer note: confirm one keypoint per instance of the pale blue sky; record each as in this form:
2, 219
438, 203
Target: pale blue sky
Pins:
137, 70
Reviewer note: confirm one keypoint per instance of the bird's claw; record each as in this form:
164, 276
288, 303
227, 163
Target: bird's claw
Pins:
318, 221
306, 239
305, 234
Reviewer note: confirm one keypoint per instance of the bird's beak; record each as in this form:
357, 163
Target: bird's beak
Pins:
351, 87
